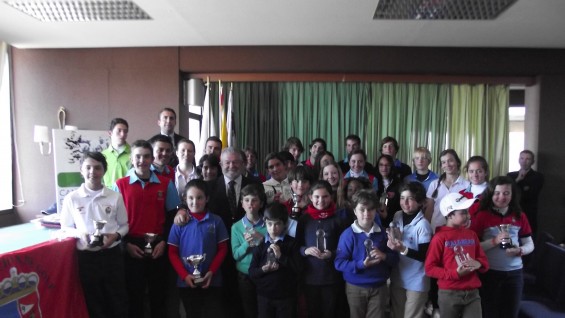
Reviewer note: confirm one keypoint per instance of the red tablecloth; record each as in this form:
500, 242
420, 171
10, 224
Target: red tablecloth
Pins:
41, 281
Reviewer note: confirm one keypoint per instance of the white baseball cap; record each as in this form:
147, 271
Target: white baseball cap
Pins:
453, 202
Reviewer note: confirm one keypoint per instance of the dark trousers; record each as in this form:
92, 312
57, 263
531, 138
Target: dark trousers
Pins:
501, 293
202, 302
248, 295
102, 276
150, 274
275, 308
321, 301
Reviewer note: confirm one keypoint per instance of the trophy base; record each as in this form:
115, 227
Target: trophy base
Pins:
198, 281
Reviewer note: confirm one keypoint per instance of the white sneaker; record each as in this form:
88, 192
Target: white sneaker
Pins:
435, 313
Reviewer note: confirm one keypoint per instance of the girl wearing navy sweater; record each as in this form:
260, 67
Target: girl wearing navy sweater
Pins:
317, 235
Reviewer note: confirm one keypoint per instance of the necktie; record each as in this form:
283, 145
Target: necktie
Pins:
231, 198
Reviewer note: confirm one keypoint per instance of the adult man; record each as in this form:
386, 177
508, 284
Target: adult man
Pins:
389, 146
530, 183
352, 142
213, 146
277, 187
167, 121
118, 153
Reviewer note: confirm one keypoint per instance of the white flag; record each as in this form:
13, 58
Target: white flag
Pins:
208, 127
231, 121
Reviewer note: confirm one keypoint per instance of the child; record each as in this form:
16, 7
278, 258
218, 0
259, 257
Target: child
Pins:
503, 283
409, 284
245, 235
317, 235
454, 256
364, 259
149, 198
422, 159
477, 174
118, 153
101, 267
300, 181
332, 174
203, 234
162, 154
275, 267
357, 160
186, 168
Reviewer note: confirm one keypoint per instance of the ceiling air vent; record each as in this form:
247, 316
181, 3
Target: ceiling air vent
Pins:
440, 9
89, 10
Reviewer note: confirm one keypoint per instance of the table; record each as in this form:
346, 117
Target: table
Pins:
38, 275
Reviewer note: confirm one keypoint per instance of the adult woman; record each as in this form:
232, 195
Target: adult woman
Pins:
450, 181
505, 235
332, 174
389, 184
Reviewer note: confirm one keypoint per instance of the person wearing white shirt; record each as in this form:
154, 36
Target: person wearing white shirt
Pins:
277, 188
101, 266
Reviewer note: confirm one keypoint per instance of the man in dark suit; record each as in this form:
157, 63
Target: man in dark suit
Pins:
530, 183
167, 121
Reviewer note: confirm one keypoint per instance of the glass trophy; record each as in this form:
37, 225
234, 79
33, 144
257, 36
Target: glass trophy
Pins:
321, 240
368, 247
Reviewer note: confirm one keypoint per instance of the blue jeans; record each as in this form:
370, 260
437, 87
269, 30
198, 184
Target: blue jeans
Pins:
501, 293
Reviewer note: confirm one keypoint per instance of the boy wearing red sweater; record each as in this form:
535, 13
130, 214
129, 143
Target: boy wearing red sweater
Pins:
454, 256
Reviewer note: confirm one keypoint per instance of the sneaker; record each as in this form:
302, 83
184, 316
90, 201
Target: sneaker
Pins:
435, 313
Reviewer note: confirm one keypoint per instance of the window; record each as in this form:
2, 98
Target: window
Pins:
5, 131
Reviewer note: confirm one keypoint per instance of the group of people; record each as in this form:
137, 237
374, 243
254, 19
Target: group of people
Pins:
316, 238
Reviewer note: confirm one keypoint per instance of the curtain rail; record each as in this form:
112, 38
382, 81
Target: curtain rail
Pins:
346, 77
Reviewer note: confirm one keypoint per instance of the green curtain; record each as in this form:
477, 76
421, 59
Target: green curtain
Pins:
472, 119
327, 110
478, 124
414, 114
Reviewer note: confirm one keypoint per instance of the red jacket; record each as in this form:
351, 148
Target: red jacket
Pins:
445, 251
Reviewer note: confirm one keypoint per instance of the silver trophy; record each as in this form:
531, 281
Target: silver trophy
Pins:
394, 232
383, 200
149, 239
249, 230
96, 239
507, 241
321, 240
368, 247
195, 261
296, 211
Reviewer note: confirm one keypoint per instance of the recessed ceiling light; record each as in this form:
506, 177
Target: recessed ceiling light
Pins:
88, 10
440, 9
